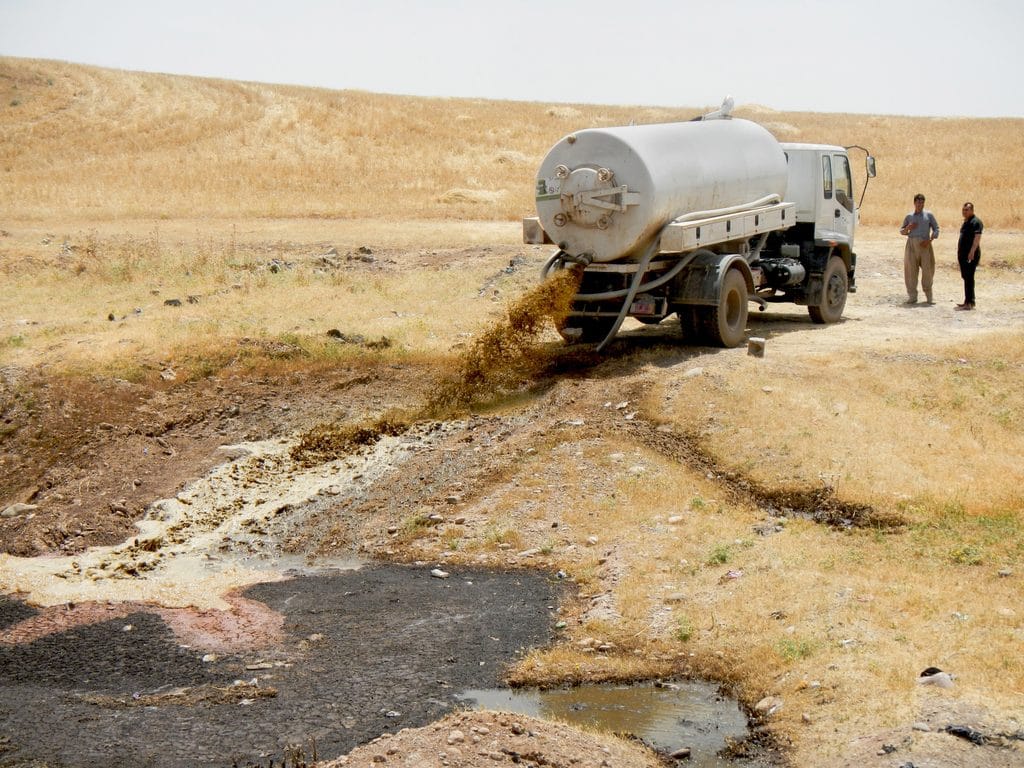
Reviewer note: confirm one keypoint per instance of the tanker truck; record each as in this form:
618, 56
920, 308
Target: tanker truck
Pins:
696, 219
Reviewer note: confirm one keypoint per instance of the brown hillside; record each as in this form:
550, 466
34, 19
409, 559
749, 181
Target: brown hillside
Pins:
108, 144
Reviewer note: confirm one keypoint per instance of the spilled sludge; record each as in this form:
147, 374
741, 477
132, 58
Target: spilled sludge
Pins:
218, 534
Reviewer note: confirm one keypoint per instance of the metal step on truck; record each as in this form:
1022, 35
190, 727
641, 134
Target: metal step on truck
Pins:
696, 219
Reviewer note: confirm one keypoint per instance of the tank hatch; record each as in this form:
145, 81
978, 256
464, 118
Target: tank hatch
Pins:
590, 197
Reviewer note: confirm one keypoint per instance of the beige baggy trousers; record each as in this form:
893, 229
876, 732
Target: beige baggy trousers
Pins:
918, 257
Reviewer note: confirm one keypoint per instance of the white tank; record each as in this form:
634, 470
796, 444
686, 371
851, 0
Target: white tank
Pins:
607, 192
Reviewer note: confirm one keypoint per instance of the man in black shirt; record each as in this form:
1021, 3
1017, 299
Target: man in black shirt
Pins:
968, 253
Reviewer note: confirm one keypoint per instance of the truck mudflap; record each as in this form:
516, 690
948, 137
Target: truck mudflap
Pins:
701, 283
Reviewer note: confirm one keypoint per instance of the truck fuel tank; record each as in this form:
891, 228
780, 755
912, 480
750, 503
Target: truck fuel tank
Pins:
606, 193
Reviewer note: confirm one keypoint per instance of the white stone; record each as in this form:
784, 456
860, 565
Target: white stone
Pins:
18, 509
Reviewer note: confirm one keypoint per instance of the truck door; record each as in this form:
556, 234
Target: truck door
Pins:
843, 213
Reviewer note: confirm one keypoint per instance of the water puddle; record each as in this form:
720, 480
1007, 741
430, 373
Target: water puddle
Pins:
684, 715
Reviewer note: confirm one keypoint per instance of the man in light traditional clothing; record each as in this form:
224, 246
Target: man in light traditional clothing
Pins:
920, 228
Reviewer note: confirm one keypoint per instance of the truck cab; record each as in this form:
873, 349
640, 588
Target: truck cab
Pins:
820, 244
821, 185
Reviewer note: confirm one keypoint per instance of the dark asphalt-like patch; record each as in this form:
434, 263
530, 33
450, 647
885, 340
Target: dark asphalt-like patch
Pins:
367, 651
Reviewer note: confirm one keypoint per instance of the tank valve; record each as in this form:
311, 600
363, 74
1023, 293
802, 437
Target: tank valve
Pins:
560, 219
562, 172
603, 174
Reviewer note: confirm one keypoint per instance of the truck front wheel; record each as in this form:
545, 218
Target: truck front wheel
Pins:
726, 324
835, 286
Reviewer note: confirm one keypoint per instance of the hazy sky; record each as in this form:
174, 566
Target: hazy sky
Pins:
932, 57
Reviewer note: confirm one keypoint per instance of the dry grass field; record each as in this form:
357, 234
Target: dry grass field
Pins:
273, 214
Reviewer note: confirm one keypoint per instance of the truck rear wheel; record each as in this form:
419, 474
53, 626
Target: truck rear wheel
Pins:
835, 286
689, 322
726, 324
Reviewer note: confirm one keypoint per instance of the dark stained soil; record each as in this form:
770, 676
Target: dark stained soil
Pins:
367, 652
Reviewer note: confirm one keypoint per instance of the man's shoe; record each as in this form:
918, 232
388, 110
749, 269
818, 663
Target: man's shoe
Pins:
964, 307
910, 301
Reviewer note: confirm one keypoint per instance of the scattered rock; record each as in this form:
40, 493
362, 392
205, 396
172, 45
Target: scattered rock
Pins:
769, 705
935, 676
232, 452
18, 509
437, 573
359, 340
968, 733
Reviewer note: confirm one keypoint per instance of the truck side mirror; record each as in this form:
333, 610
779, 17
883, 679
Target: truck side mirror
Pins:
870, 166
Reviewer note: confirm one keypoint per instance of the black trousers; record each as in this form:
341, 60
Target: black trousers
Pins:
967, 273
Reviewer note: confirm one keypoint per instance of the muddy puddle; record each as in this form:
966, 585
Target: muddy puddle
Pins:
668, 718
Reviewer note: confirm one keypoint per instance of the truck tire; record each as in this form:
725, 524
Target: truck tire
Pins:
725, 325
689, 322
834, 288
